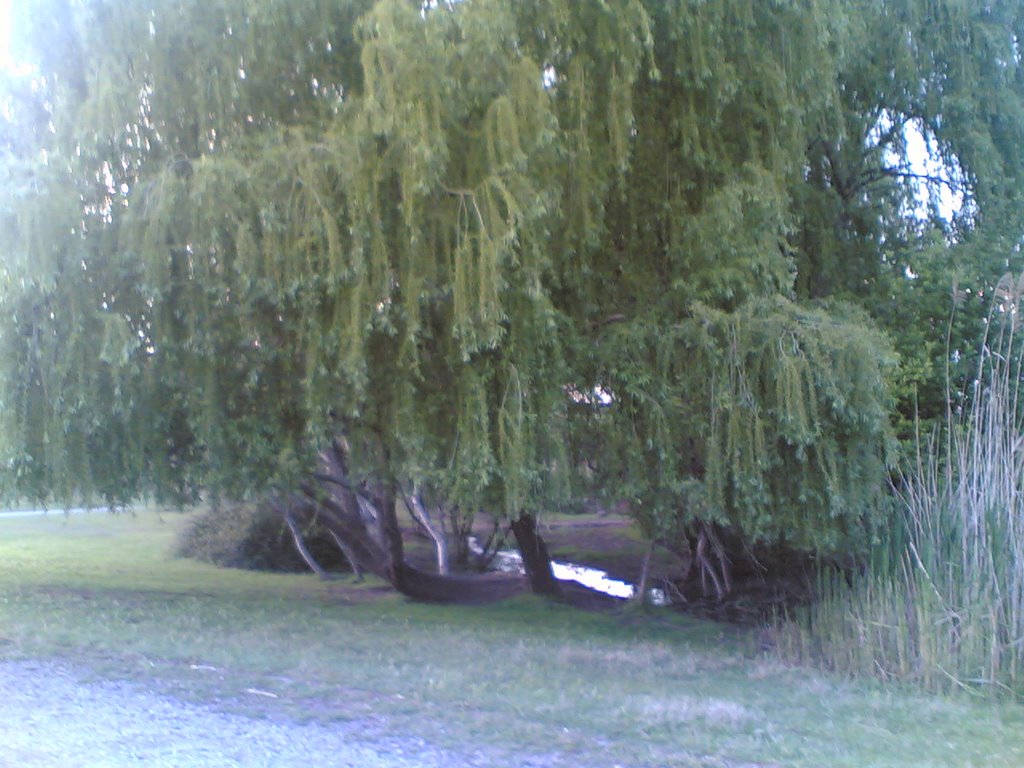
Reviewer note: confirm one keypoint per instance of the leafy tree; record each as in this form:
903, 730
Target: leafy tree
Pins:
485, 243
872, 225
737, 411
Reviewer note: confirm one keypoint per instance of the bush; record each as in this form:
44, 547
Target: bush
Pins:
941, 601
255, 537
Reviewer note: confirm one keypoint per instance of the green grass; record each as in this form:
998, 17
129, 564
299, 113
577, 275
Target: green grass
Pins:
521, 678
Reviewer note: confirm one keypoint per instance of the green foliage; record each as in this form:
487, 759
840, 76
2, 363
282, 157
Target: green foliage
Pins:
871, 226
297, 240
732, 404
771, 420
255, 225
940, 601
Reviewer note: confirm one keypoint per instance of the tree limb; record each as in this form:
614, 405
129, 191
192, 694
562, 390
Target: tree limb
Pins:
300, 545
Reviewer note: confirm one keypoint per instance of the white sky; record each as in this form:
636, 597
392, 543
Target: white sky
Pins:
5, 33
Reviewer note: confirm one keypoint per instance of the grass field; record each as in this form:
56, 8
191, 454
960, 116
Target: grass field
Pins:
523, 677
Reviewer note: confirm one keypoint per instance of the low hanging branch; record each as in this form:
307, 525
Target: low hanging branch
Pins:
356, 570
712, 561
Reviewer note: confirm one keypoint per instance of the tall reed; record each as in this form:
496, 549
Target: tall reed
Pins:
941, 600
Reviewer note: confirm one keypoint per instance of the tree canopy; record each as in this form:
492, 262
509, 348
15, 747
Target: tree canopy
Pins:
505, 249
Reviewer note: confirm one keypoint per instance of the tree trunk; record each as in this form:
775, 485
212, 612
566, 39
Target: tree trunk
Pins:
419, 511
363, 549
640, 593
536, 559
349, 555
300, 544
391, 533
457, 589
374, 540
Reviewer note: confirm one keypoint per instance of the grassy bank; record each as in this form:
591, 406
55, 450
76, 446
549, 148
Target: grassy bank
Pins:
500, 682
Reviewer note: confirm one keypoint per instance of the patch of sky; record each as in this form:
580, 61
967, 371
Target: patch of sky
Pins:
912, 153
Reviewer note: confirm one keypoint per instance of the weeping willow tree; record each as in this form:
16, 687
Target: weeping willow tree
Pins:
411, 240
738, 416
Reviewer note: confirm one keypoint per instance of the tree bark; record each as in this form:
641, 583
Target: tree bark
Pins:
536, 559
457, 589
349, 555
640, 593
419, 510
391, 533
368, 526
300, 545
712, 560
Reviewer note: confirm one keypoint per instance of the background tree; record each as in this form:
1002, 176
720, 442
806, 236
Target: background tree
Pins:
907, 236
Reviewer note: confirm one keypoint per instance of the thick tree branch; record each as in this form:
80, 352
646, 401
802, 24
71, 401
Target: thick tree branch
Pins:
300, 544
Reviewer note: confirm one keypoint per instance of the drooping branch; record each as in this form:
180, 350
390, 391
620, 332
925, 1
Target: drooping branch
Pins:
712, 561
341, 511
349, 555
363, 551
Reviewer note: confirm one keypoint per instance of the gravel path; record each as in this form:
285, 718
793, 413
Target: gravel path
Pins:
48, 719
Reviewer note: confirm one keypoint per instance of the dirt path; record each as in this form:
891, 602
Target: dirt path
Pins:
48, 719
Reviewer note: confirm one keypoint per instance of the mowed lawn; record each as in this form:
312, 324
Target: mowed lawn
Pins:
522, 678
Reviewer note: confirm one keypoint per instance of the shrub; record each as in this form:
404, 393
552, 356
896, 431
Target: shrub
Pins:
254, 536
